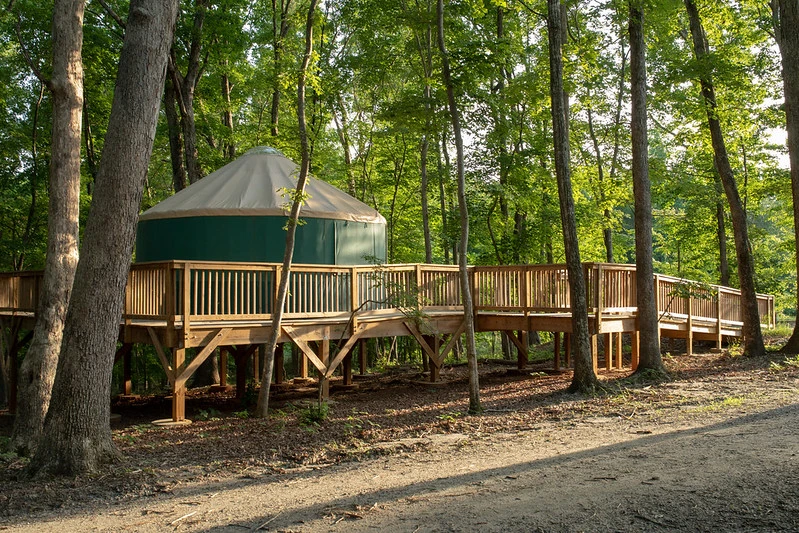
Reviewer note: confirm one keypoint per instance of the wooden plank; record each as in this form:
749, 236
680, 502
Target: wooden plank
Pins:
185, 373
619, 354
159, 350
516, 342
635, 337
324, 380
608, 346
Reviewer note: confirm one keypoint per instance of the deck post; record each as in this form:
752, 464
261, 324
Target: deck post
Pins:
223, 354
619, 354
635, 337
556, 351
324, 356
567, 348
689, 337
178, 387
434, 369
303, 363
595, 352
607, 341
658, 302
280, 371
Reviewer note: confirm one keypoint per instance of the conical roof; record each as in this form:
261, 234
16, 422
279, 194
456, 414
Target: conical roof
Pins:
254, 185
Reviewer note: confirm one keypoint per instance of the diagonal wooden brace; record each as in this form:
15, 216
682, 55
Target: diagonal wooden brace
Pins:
306, 349
342, 353
170, 373
186, 371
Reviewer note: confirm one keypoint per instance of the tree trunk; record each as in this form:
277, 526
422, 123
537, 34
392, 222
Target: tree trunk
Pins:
724, 264
77, 435
175, 137
649, 354
584, 378
787, 27
38, 369
229, 150
279, 37
262, 408
752, 336
466, 291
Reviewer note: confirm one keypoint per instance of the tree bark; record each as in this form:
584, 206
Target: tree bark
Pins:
279, 37
185, 87
175, 137
77, 435
229, 150
466, 291
787, 17
752, 336
38, 369
584, 378
262, 408
649, 351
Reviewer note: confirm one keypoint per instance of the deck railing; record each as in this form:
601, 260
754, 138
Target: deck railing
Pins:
187, 291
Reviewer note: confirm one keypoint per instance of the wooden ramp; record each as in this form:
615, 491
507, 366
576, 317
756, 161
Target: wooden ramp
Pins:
177, 305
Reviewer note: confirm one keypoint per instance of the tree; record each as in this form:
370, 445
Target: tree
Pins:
466, 291
649, 355
786, 13
38, 369
584, 378
298, 199
752, 336
77, 436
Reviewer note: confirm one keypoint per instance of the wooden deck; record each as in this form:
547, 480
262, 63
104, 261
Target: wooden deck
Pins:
178, 305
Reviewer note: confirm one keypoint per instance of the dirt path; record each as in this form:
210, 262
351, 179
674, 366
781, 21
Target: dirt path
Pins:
723, 455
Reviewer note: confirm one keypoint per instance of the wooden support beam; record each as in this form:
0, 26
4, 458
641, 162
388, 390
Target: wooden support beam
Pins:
256, 363
608, 346
522, 357
185, 373
595, 352
344, 351
522, 349
280, 371
363, 356
619, 353
346, 368
718, 321
434, 369
635, 337
223, 355
556, 350
306, 349
324, 378
178, 387
159, 350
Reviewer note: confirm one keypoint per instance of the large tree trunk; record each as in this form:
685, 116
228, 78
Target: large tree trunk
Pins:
262, 408
584, 378
649, 355
466, 291
787, 26
77, 435
752, 336
38, 369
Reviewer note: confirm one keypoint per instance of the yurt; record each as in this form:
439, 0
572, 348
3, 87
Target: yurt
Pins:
239, 213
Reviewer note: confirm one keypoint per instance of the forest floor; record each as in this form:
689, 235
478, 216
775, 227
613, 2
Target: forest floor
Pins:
715, 447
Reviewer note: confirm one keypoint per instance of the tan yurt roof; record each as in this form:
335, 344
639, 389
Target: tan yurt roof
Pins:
253, 185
